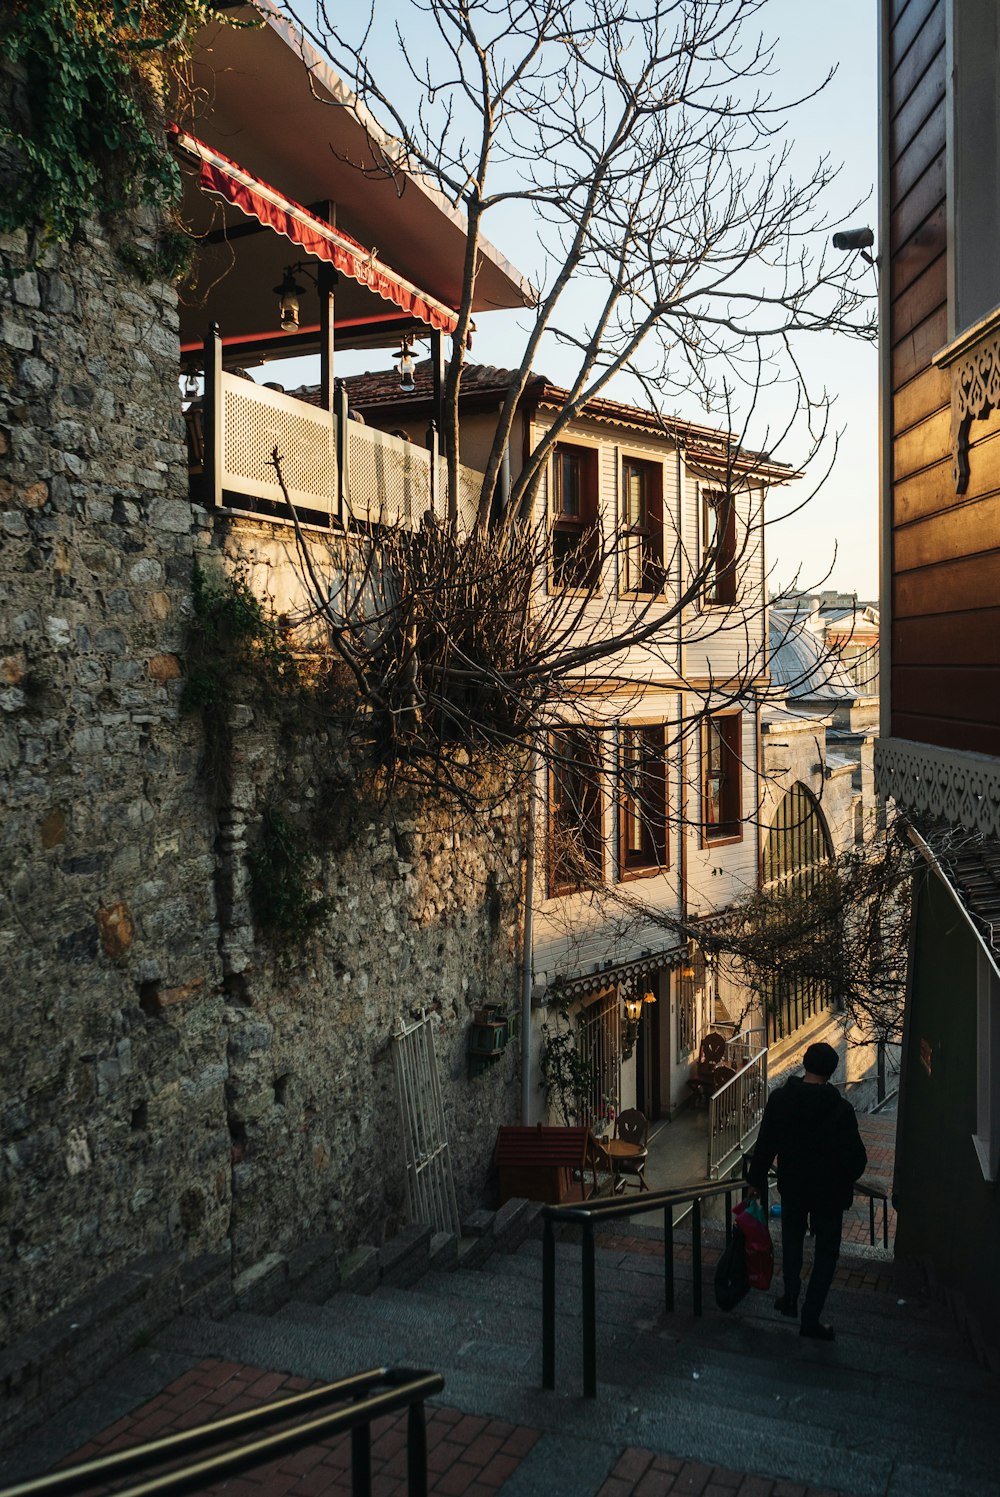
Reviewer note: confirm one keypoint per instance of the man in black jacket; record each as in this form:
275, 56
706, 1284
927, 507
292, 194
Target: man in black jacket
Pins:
814, 1132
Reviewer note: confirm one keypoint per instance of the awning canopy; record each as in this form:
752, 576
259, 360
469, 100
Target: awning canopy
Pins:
218, 175
267, 99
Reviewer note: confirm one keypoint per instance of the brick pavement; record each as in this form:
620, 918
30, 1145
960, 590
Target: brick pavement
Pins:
640, 1473
467, 1455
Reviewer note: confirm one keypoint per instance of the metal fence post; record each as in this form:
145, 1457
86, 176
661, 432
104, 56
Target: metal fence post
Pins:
416, 1450
548, 1306
589, 1313
361, 1461
696, 1252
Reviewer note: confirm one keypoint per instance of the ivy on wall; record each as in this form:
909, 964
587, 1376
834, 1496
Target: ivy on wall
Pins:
92, 136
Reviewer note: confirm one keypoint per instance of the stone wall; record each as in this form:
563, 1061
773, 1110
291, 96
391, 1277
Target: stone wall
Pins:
113, 1072
170, 1080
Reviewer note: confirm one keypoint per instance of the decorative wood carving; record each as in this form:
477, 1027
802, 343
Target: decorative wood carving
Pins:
975, 392
963, 789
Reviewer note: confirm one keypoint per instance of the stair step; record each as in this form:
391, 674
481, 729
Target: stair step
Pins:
895, 1407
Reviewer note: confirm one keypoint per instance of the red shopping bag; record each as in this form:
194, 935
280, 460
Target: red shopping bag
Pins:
752, 1222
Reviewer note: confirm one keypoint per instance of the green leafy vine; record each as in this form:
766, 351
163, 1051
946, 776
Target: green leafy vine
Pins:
567, 1075
93, 137
284, 903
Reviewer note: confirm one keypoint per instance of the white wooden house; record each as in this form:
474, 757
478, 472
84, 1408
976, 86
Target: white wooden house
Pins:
651, 774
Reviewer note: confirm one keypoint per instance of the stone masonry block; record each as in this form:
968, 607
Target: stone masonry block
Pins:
359, 1270
264, 1285
443, 1251
313, 1270
517, 1220
405, 1257
479, 1224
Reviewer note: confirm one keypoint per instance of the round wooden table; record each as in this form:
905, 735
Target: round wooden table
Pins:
618, 1149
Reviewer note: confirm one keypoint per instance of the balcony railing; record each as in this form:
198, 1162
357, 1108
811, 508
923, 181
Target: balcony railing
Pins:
335, 469
734, 1114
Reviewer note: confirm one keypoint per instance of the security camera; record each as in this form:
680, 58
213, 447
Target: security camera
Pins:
854, 239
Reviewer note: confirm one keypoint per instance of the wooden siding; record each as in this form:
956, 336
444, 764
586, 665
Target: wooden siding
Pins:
945, 651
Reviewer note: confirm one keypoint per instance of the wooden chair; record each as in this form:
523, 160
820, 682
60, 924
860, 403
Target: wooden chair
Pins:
632, 1127
702, 1078
721, 1075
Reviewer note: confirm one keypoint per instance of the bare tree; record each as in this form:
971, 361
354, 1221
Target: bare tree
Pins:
641, 142
446, 653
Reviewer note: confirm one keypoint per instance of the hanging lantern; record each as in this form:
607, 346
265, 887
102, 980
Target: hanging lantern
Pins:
288, 294
406, 381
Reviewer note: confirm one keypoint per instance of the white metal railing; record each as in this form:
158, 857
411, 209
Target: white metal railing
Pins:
743, 1046
430, 1185
734, 1114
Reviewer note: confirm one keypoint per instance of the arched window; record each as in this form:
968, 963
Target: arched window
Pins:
797, 856
798, 837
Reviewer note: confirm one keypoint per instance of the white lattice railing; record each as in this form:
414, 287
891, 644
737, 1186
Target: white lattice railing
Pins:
389, 481
386, 480
734, 1114
253, 421
963, 789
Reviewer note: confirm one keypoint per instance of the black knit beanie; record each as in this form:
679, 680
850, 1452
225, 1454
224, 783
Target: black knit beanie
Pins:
821, 1059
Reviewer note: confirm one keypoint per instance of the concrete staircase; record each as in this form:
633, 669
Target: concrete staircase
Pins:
896, 1407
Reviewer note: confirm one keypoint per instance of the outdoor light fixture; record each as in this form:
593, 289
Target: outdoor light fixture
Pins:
190, 391
633, 1013
288, 294
406, 382
633, 1008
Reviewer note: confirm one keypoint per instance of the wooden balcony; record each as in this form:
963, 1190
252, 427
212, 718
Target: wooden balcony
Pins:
337, 471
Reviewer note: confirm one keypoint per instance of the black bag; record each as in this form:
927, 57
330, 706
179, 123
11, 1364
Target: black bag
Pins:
731, 1281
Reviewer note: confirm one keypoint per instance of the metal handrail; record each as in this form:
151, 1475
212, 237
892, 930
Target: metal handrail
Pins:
407, 1388
719, 1102
609, 1209
584, 1215
874, 1193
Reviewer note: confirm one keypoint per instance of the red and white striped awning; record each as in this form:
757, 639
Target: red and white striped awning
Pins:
257, 199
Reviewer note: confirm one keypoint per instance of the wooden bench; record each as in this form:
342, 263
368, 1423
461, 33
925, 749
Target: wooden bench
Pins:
548, 1164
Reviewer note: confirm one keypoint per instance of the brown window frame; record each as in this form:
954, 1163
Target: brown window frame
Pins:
574, 549
645, 531
575, 811
642, 827
721, 578
723, 730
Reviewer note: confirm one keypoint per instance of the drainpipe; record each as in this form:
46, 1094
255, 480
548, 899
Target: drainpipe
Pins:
505, 478
528, 941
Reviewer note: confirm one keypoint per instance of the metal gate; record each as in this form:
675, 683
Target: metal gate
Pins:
599, 1043
430, 1185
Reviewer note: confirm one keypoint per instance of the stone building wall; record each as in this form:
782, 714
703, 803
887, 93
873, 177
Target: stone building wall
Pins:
170, 1080
422, 917
112, 1074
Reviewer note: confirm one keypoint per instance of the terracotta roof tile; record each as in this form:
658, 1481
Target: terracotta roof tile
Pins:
377, 394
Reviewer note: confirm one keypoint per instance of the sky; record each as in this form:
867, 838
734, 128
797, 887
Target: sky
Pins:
832, 542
